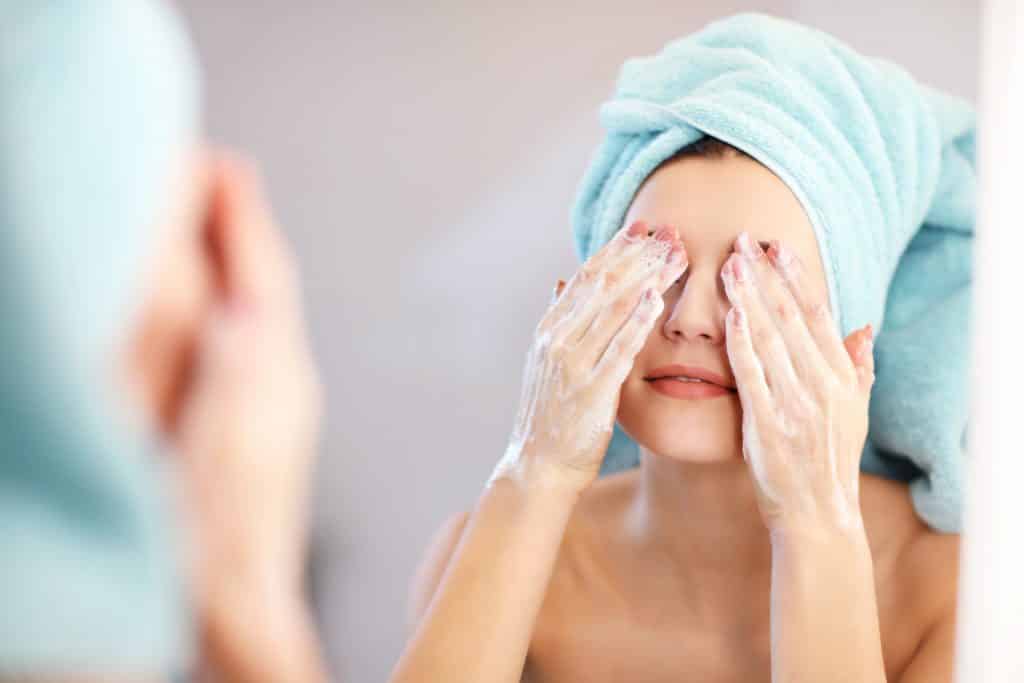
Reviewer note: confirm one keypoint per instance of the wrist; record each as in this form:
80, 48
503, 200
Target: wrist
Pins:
259, 633
532, 474
810, 539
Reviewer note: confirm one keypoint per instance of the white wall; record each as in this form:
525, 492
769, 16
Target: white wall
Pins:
423, 160
991, 626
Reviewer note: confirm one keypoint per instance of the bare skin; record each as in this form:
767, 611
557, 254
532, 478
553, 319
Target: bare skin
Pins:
708, 620
246, 433
746, 546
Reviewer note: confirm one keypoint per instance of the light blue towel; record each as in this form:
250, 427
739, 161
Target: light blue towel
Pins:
884, 168
98, 108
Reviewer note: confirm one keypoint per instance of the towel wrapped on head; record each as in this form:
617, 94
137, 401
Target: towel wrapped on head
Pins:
884, 168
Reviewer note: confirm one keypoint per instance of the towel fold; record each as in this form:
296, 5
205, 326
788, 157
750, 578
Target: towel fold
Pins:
884, 168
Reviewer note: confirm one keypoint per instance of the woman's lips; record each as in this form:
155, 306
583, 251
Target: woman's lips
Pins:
687, 390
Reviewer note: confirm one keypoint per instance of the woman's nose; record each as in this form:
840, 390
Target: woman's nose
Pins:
697, 313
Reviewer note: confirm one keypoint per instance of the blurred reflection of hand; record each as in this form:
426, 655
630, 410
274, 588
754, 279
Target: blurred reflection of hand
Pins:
248, 436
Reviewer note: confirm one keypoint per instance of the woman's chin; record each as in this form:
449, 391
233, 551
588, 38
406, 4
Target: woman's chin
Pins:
702, 457
695, 453
697, 434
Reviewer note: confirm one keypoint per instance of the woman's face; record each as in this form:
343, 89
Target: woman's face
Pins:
709, 201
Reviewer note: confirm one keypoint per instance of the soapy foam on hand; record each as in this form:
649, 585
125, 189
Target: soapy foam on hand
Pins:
546, 379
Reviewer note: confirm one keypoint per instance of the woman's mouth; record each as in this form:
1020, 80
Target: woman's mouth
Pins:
688, 382
682, 388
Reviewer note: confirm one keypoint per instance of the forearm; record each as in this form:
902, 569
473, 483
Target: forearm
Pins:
824, 615
478, 626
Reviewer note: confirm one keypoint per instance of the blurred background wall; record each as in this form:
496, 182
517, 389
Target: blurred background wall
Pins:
422, 157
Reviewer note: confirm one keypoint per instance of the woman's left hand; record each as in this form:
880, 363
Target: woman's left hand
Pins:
804, 391
248, 441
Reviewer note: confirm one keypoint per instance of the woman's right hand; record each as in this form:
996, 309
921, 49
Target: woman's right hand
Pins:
582, 352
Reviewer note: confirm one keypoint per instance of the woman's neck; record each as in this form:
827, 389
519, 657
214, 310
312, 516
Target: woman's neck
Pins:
703, 520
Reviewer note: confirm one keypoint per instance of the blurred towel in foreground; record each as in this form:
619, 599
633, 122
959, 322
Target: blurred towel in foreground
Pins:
98, 105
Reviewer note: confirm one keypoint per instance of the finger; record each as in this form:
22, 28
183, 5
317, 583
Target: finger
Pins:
648, 264
765, 337
618, 356
805, 356
559, 288
816, 312
860, 347
592, 344
254, 261
584, 278
751, 382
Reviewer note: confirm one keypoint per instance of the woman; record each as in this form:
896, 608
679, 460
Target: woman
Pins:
747, 545
149, 303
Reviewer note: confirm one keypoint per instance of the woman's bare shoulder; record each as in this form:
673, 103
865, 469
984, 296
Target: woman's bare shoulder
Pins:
894, 527
917, 568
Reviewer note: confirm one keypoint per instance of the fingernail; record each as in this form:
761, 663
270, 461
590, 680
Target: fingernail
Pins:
637, 229
871, 333
664, 234
738, 316
783, 257
747, 246
557, 291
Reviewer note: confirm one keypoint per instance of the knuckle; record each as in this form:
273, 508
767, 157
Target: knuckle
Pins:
556, 347
571, 369
763, 335
817, 311
622, 307
831, 385
542, 341
805, 408
616, 348
543, 327
847, 375
785, 310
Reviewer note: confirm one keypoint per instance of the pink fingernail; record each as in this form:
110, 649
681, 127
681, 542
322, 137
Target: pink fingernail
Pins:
664, 234
637, 229
738, 317
783, 257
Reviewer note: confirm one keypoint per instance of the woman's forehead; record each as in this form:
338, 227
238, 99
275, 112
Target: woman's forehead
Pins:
712, 200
